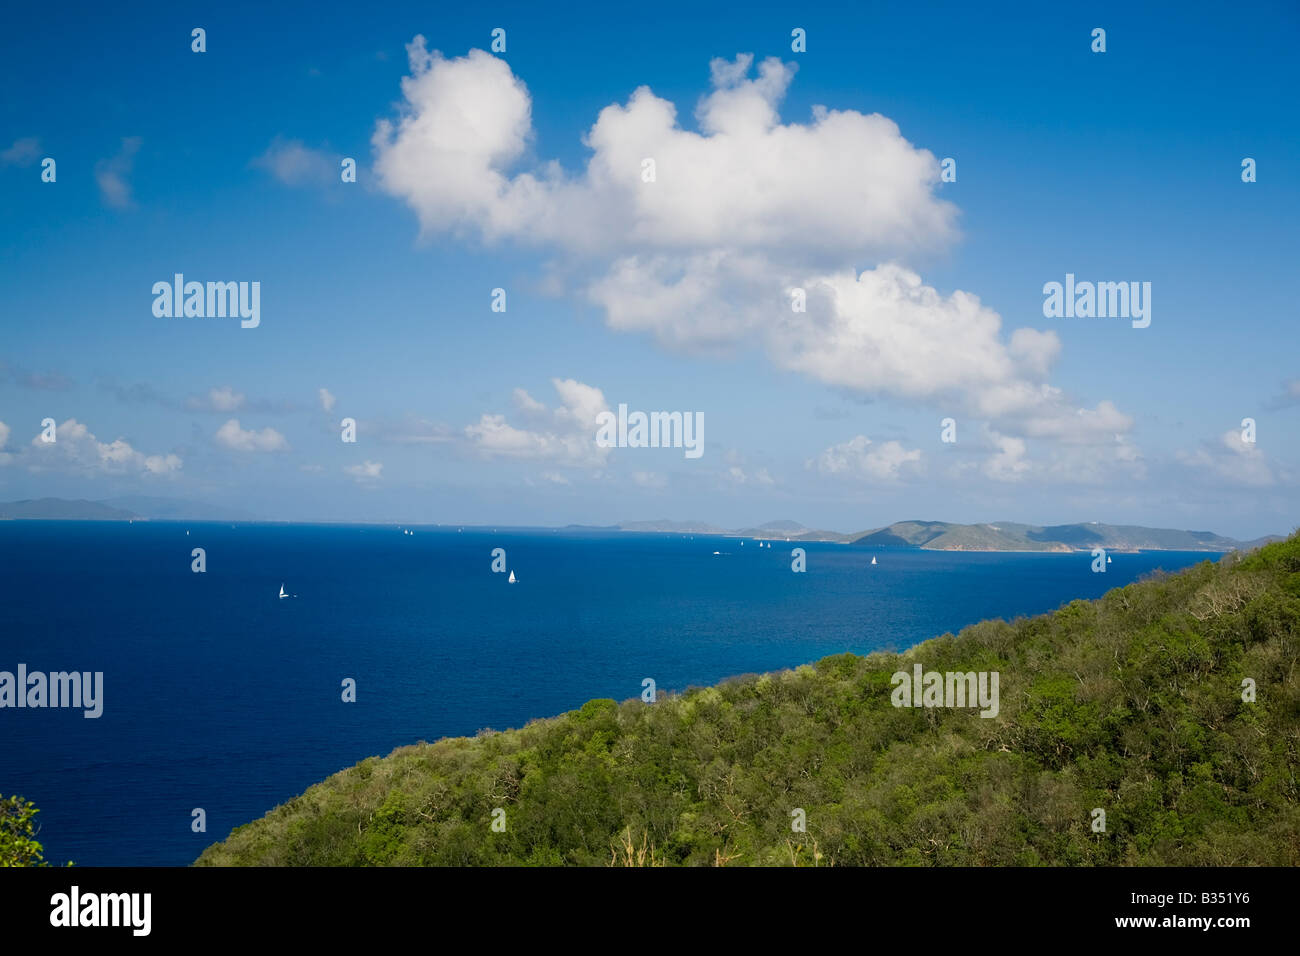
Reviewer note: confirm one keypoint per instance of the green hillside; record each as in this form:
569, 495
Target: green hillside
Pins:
1131, 704
943, 536
1012, 536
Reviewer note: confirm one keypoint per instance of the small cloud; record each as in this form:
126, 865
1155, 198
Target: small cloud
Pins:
137, 393
232, 436
527, 404
566, 435
225, 399
41, 381
367, 471
295, 164
555, 478
738, 476
326, 399
860, 457
1290, 395
222, 399
412, 431
1232, 460
23, 152
111, 175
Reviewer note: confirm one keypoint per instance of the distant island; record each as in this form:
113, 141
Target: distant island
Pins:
130, 508
60, 508
926, 535
1000, 536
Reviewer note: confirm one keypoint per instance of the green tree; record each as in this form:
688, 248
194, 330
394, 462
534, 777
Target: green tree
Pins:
18, 845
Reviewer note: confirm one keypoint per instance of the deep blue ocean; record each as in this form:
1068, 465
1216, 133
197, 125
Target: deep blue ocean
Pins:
218, 694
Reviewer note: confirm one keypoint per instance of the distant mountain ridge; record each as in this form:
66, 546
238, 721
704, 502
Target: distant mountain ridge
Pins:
777, 530
926, 535
998, 536
130, 508
663, 525
55, 508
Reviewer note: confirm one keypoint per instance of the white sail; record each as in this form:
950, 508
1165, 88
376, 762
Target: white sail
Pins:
512, 577
873, 559
282, 594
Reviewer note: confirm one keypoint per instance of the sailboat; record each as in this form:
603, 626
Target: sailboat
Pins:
873, 559
511, 579
283, 595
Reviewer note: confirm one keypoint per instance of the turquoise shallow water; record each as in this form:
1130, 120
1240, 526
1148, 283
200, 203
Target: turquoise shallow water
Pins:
217, 694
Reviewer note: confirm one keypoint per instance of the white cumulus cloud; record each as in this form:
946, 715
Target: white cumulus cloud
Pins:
76, 447
564, 435
1232, 461
366, 471
860, 457
236, 438
465, 121
743, 210
221, 399
1008, 462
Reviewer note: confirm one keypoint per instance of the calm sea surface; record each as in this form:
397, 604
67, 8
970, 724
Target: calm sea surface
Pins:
217, 694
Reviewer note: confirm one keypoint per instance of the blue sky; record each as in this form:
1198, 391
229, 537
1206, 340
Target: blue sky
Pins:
671, 295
